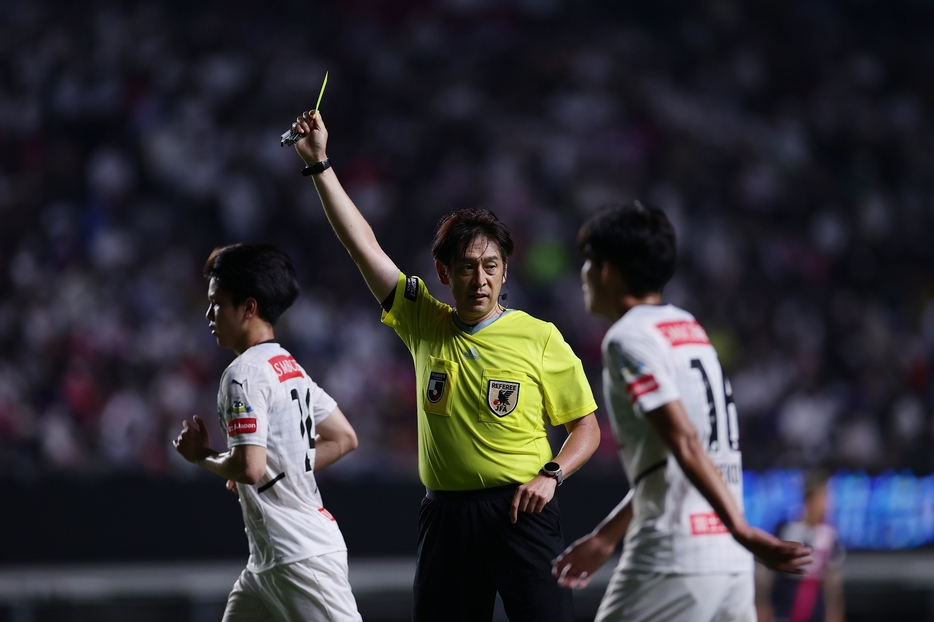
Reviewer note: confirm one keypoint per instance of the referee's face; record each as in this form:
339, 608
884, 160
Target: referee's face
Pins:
476, 280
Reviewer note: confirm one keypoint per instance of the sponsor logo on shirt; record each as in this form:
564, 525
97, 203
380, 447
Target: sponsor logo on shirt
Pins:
639, 386
683, 333
436, 382
502, 397
635, 374
411, 288
707, 524
327, 514
286, 367
241, 426
472, 354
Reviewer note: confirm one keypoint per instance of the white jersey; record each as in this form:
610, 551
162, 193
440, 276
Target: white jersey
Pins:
652, 356
267, 399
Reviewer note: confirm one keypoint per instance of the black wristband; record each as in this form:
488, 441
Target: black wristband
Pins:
314, 169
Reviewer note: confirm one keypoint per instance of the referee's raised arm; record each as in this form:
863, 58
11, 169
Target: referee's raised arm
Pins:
354, 232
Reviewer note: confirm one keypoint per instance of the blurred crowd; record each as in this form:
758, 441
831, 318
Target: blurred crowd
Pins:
792, 144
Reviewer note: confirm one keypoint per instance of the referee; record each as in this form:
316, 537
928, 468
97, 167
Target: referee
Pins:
487, 378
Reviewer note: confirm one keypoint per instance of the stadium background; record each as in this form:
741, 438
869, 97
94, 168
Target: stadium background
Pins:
792, 143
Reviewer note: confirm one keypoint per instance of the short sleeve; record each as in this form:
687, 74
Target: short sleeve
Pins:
404, 312
568, 395
322, 404
637, 363
415, 313
244, 406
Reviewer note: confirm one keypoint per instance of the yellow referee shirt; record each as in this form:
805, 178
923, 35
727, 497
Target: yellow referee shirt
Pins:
484, 391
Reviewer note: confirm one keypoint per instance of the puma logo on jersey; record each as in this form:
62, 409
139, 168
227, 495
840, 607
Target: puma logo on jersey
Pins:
472, 354
286, 367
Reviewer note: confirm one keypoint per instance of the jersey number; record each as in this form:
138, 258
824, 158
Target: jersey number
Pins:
305, 423
732, 427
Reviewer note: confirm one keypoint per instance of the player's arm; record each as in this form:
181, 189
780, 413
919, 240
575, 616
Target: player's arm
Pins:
764, 580
334, 438
672, 425
576, 566
352, 229
583, 439
245, 464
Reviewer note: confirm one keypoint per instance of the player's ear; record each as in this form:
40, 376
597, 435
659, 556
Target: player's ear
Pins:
250, 308
610, 275
505, 270
442, 273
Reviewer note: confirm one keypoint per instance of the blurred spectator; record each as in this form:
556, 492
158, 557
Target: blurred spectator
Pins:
816, 596
790, 143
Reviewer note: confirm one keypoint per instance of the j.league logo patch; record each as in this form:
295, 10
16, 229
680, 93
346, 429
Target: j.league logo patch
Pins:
502, 397
436, 383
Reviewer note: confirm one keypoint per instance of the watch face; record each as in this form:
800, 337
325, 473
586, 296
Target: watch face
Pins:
552, 467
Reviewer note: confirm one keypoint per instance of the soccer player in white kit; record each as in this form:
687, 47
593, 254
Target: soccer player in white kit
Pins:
688, 551
281, 427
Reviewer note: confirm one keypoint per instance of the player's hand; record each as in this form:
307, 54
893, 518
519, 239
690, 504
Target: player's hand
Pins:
193, 442
575, 567
532, 497
781, 555
313, 147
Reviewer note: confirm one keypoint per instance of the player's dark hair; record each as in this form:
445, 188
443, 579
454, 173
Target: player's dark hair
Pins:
259, 271
637, 239
457, 230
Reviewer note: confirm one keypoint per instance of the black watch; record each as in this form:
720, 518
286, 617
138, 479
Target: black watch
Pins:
553, 469
316, 168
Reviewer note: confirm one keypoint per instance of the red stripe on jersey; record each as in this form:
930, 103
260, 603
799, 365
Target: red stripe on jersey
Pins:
285, 367
684, 332
640, 386
241, 426
326, 513
708, 524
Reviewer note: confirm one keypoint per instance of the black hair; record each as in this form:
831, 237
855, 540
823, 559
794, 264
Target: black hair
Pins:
259, 271
457, 230
637, 239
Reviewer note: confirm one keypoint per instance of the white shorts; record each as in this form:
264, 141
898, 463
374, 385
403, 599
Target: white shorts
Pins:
314, 589
651, 596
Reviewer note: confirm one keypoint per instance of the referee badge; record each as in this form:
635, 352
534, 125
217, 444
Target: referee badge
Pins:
436, 382
502, 397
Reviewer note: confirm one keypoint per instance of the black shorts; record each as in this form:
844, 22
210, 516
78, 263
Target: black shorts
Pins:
468, 550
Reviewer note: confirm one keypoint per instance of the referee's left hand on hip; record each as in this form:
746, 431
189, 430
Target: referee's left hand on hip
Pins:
532, 497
